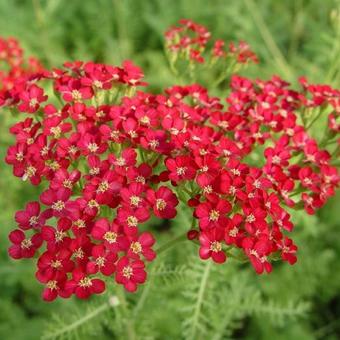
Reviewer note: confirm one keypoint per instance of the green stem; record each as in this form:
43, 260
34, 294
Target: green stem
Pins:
69, 328
144, 294
199, 302
171, 243
130, 332
314, 120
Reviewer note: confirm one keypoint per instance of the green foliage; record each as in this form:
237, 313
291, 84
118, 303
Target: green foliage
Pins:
221, 297
77, 323
184, 298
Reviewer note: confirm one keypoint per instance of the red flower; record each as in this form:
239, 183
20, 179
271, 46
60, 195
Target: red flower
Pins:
132, 196
56, 200
130, 218
63, 178
164, 202
108, 151
127, 159
31, 99
212, 214
102, 261
255, 219
55, 127
181, 168
31, 218
68, 147
97, 76
257, 251
23, 247
311, 202
233, 233
57, 238
106, 188
288, 250
211, 245
142, 246
81, 248
130, 273
309, 179
110, 235
83, 285
132, 74
91, 144
53, 288
140, 174
74, 91
278, 156
54, 265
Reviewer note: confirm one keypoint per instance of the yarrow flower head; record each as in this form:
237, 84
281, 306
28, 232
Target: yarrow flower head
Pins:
110, 158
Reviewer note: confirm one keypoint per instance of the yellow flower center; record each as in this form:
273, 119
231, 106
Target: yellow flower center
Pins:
100, 261
110, 237
55, 264
93, 147
52, 284
132, 221
85, 282
136, 247
58, 206
26, 243
79, 253
29, 172
135, 200
80, 223
103, 186
76, 95
160, 204
59, 235
120, 161
127, 272
33, 102
56, 130
215, 246
33, 220
214, 215
181, 170
19, 156
93, 204
67, 183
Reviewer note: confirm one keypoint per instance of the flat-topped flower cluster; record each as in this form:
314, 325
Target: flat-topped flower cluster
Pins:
109, 158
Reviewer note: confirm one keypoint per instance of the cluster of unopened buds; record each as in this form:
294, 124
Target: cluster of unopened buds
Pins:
113, 157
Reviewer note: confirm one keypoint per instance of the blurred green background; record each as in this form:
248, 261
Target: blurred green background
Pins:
292, 38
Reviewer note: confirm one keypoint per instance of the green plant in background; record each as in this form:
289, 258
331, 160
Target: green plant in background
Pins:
198, 299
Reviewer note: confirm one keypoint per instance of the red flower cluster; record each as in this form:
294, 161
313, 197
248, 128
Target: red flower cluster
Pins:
14, 67
113, 158
190, 40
